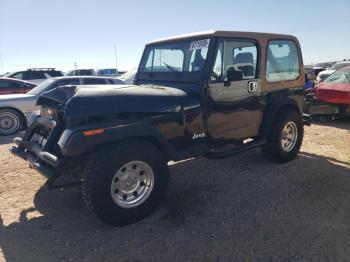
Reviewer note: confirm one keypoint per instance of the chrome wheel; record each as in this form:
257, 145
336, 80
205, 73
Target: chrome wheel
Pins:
9, 123
132, 184
289, 136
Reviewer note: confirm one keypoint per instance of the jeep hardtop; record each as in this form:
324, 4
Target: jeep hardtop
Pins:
212, 94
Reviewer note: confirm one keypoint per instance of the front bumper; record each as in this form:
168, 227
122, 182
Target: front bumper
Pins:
36, 150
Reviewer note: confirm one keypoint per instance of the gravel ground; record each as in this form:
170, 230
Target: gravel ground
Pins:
242, 208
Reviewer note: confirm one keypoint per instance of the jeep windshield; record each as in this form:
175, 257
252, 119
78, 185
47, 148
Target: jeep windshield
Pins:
174, 60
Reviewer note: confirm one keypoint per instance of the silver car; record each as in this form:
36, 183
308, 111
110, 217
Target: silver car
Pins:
16, 109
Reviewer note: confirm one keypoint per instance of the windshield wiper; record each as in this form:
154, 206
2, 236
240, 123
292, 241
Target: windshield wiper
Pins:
171, 67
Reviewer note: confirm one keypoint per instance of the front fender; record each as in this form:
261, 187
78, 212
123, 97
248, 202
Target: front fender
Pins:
74, 142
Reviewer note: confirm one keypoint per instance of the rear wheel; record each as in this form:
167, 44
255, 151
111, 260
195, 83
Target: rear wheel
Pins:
285, 138
124, 184
11, 121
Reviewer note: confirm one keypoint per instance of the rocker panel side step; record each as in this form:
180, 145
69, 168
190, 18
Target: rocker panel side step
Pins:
237, 150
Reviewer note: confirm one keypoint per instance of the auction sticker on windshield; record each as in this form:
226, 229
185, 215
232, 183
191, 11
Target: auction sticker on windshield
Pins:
200, 44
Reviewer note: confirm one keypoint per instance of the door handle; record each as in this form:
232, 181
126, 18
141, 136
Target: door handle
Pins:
252, 87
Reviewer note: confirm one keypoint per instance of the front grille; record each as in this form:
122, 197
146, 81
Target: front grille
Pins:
44, 132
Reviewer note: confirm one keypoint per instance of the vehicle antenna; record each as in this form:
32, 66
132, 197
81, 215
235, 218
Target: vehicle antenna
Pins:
116, 61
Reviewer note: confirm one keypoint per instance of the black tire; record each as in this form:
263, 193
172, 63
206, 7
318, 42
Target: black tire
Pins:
99, 173
11, 121
273, 149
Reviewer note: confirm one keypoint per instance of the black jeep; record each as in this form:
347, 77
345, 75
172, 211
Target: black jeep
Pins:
210, 94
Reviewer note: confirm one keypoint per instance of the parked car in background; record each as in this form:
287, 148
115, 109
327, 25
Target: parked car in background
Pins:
319, 67
324, 65
128, 77
16, 109
324, 74
35, 75
81, 72
14, 86
332, 96
109, 72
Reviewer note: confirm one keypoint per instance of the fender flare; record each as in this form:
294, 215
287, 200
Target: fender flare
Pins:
73, 142
272, 111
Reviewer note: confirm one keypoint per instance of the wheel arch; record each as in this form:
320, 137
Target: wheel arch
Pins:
273, 110
151, 139
78, 144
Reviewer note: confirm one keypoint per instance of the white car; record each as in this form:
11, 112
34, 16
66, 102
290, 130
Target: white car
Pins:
15, 109
80, 72
128, 77
35, 75
326, 73
108, 72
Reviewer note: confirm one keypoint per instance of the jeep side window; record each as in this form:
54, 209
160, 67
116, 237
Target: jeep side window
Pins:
282, 62
234, 72
149, 63
235, 61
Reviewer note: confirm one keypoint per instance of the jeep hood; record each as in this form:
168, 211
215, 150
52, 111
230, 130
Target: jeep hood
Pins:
116, 99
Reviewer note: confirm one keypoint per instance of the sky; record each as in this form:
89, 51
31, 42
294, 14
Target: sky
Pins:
52, 33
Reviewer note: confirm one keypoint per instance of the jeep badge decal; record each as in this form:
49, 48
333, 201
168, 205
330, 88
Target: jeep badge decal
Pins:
201, 135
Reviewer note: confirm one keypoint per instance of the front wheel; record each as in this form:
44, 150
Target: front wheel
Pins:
125, 183
285, 138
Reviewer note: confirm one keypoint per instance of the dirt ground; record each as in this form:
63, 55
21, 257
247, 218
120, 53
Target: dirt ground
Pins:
242, 208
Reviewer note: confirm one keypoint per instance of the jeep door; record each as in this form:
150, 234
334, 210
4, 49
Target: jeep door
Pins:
233, 110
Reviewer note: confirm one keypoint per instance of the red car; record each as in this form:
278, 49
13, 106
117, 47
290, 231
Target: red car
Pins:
14, 86
336, 88
333, 94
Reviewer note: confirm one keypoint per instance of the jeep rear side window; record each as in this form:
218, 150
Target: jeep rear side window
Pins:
235, 61
282, 61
